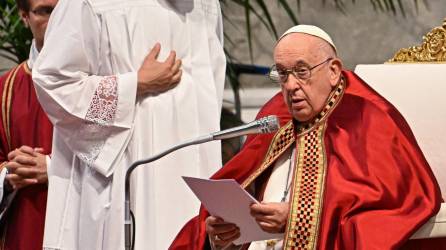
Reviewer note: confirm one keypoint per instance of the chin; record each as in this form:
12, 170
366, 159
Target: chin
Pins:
301, 117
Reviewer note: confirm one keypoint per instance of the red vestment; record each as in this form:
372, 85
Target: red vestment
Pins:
378, 188
23, 123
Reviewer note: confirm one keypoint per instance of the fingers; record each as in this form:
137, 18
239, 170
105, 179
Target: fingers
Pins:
176, 72
219, 224
23, 150
270, 223
220, 232
154, 52
230, 236
223, 228
18, 182
176, 66
263, 217
19, 171
261, 209
13, 154
215, 225
27, 172
12, 166
39, 150
268, 227
170, 61
213, 220
271, 217
155, 77
25, 160
26, 149
225, 239
177, 77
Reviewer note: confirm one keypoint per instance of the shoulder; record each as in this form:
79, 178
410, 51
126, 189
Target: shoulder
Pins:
10, 75
5, 76
359, 93
363, 107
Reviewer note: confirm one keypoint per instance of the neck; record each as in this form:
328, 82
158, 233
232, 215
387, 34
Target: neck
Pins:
39, 46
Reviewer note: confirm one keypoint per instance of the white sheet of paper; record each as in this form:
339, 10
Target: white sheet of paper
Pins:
226, 199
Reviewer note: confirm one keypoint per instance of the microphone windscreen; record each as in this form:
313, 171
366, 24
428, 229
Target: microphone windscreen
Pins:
269, 124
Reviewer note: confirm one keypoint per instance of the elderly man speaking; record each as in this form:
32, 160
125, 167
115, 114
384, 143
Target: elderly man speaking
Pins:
344, 172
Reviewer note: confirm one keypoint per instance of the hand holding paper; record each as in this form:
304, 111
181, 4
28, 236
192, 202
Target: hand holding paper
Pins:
272, 217
221, 233
227, 200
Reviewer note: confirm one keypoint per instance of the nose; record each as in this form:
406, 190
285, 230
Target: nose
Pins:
291, 83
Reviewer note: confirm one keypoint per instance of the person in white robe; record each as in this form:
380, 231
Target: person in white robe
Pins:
87, 79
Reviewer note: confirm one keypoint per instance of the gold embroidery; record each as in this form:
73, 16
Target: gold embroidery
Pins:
26, 68
309, 177
271, 243
307, 196
5, 103
8, 105
5, 92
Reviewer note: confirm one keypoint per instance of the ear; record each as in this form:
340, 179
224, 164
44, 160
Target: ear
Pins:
24, 16
335, 71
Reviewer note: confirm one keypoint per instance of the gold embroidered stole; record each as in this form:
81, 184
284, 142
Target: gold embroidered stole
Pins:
306, 201
7, 100
308, 189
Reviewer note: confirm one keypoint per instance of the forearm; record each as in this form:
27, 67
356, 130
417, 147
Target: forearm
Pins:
87, 124
90, 103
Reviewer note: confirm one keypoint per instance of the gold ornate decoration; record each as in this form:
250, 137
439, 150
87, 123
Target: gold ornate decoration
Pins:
6, 101
306, 200
432, 50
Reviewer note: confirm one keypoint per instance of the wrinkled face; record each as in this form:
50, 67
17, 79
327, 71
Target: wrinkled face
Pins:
306, 98
37, 18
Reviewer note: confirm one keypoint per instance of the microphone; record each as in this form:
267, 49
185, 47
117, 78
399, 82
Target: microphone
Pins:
263, 125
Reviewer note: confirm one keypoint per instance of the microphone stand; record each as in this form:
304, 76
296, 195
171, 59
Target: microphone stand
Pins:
265, 125
127, 219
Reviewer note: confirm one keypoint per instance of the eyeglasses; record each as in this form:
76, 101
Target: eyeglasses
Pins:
302, 72
43, 11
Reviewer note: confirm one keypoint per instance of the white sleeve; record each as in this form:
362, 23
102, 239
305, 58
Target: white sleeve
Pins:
93, 113
3, 173
5, 199
48, 161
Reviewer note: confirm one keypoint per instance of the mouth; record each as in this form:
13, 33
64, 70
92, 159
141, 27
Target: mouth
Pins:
297, 103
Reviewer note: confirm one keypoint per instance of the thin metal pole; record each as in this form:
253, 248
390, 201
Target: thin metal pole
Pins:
127, 218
